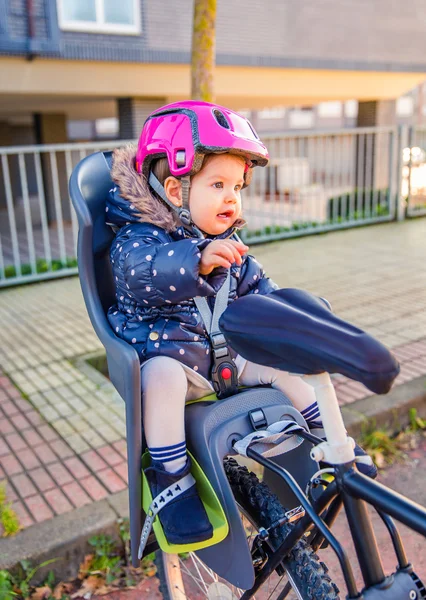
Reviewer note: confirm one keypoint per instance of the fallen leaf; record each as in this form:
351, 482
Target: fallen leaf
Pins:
89, 586
41, 593
84, 567
62, 589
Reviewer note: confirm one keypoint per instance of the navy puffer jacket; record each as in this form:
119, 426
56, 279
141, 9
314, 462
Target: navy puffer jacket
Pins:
156, 268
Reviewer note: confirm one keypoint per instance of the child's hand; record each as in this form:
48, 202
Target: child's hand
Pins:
221, 253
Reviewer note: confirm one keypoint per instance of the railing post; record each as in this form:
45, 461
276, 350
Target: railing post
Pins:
403, 140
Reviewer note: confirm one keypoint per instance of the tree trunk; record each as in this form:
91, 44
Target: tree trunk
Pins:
203, 50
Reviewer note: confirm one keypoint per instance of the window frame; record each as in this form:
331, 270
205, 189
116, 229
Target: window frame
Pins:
100, 26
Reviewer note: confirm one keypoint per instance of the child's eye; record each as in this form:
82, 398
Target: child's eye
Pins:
238, 187
218, 185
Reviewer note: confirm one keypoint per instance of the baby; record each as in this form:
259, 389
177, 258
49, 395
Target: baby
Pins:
176, 209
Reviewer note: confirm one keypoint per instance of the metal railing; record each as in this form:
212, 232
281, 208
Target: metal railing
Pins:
38, 225
314, 182
323, 181
414, 172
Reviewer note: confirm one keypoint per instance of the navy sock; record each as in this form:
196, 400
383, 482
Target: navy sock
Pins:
312, 416
173, 457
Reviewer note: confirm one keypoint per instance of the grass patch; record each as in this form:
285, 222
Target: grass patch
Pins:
385, 447
106, 569
42, 266
8, 517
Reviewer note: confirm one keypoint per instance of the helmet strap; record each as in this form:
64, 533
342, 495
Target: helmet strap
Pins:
182, 211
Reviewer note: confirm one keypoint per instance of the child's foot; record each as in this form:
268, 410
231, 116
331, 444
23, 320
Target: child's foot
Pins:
368, 470
184, 519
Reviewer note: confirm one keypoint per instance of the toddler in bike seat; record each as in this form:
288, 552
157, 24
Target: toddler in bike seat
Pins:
176, 209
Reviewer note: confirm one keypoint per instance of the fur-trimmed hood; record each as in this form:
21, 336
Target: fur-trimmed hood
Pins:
132, 201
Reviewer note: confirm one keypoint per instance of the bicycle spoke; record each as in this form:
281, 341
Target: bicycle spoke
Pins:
212, 574
194, 579
198, 571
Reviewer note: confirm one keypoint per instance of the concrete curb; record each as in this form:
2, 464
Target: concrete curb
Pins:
66, 537
389, 411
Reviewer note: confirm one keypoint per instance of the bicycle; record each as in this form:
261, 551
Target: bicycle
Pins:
265, 544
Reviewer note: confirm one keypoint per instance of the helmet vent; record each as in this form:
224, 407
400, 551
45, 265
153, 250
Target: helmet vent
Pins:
221, 119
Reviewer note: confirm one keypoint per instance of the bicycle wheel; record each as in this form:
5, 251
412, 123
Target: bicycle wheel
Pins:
305, 578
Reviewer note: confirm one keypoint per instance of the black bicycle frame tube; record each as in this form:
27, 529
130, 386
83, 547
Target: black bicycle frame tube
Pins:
396, 540
328, 519
364, 540
406, 511
277, 557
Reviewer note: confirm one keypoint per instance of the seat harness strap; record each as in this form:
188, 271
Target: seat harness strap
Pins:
278, 438
224, 371
159, 502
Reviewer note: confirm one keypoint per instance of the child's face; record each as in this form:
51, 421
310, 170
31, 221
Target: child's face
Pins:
215, 193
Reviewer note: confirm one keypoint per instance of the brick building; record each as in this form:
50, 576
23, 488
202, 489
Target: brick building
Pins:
65, 61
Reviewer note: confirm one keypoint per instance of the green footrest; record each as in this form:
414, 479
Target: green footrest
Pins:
211, 503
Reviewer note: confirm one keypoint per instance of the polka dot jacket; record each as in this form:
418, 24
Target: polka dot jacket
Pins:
156, 272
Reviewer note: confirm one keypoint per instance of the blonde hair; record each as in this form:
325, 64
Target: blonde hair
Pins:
161, 167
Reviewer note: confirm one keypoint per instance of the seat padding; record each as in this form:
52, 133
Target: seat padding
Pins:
294, 331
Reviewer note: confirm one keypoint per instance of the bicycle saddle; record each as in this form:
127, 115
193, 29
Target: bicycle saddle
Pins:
295, 331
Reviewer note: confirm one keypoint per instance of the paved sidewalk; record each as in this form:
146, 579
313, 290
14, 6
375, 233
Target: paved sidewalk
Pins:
62, 426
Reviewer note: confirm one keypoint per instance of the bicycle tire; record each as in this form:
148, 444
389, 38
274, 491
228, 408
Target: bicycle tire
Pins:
306, 573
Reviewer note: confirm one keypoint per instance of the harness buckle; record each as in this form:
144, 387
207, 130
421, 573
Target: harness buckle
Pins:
257, 419
224, 371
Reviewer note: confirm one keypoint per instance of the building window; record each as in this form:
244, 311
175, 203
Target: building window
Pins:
100, 16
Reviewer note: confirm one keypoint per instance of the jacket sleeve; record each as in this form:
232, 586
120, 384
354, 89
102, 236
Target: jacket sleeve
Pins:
158, 272
253, 279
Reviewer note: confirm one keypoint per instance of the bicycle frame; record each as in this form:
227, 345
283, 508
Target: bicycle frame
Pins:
354, 491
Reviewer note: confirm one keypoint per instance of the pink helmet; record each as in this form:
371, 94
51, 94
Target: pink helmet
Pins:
185, 132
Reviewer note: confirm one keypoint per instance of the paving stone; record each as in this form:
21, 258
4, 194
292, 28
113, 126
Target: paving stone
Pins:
59, 473
24, 518
38, 508
61, 449
20, 422
38, 400
10, 464
78, 423
111, 480
76, 494
93, 460
122, 471
109, 434
9, 408
6, 425
121, 447
64, 409
63, 427
42, 479
23, 485
15, 441
58, 501
28, 459
77, 443
11, 494
33, 438
45, 453
76, 467
34, 417
94, 488
111, 456
4, 448
93, 438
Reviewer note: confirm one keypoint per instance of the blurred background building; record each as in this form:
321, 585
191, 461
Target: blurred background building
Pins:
93, 69
325, 82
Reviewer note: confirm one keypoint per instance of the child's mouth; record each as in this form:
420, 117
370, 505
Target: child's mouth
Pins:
227, 214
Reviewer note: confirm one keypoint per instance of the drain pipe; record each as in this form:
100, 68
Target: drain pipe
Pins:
31, 30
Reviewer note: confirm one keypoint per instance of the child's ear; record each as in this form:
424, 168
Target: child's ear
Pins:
173, 189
